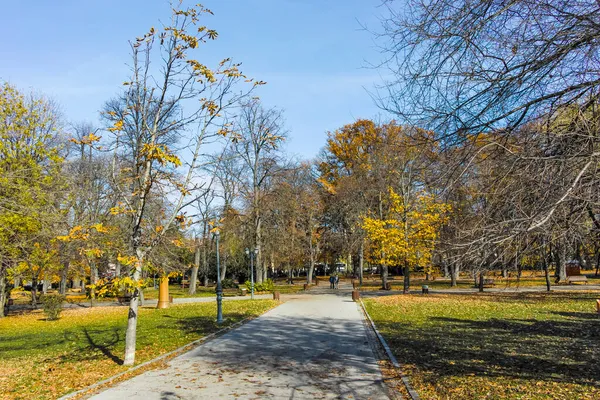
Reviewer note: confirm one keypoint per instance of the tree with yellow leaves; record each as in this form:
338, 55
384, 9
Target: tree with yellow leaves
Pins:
360, 163
171, 107
408, 234
30, 184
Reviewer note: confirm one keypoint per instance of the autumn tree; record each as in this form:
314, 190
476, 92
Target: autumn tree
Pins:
171, 107
90, 198
30, 184
293, 220
519, 76
408, 235
228, 168
360, 163
349, 184
259, 134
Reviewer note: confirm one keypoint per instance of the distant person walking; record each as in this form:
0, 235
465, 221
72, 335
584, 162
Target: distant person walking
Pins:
331, 282
337, 281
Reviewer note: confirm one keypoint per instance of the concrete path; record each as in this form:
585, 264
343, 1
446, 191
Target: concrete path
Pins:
311, 347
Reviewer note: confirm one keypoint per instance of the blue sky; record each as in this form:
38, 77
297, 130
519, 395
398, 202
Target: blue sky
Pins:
313, 54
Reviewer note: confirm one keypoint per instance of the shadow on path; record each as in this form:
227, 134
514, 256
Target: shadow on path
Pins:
314, 348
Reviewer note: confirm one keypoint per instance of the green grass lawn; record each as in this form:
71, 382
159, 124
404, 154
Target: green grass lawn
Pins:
528, 280
46, 359
415, 284
178, 292
495, 346
24, 297
285, 288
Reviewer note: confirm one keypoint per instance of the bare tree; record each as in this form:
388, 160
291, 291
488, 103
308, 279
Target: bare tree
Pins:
512, 89
170, 111
260, 133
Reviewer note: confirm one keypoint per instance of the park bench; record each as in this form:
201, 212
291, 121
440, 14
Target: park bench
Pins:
489, 283
9, 302
124, 299
235, 292
576, 278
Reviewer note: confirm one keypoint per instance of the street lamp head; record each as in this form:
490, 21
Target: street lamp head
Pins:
247, 251
217, 234
256, 251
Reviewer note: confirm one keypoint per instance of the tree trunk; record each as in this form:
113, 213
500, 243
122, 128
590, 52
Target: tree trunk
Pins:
406, 273
349, 264
384, 276
454, 272
546, 273
62, 289
34, 284
481, 281
561, 263
3, 291
132, 316
361, 260
224, 266
205, 253
384, 267
93, 278
258, 272
195, 267
45, 285
117, 268
446, 270
257, 221
272, 263
311, 267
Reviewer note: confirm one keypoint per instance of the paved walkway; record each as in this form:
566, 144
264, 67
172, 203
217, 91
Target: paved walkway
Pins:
311, 347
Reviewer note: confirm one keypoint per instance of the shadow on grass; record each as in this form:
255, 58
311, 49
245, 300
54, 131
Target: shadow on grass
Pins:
104, 347
93, 344
580, 315
561, 351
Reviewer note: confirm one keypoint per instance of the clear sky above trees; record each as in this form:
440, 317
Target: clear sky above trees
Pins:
314, 55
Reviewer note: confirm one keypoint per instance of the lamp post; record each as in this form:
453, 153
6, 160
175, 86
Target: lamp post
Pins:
252, 254
219, 286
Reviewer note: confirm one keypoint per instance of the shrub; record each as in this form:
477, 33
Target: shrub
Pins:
228, 284
266, 286
52, 305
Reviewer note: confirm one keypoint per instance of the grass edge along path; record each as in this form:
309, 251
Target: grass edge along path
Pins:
390, 354
494, 346
48, 359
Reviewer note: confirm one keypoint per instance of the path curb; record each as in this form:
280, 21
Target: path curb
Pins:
411, 391
181, 349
